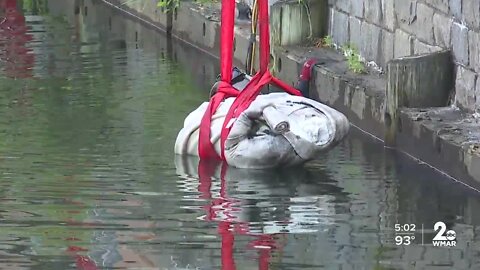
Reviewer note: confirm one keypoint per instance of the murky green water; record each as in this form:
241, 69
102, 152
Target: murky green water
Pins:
90, 104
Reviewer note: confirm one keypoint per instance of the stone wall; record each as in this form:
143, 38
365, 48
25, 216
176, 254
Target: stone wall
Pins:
385, 29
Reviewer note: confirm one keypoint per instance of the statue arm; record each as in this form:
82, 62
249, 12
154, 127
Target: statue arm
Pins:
244, 124
258, 151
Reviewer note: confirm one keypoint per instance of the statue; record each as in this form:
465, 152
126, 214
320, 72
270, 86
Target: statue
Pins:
277, 129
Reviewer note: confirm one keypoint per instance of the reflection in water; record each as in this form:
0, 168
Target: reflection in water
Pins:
262, 205
88, 178
16, 58
263, 191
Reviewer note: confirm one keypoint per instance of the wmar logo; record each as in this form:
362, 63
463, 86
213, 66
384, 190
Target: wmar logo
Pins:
442, 238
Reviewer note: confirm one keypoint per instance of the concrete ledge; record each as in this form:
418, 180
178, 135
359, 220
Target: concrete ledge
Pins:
360, 97
446, 138
418, 81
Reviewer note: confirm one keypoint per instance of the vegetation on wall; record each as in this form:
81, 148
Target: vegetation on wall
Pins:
354, 60
328, 41
34, 7
168, 5
351, 53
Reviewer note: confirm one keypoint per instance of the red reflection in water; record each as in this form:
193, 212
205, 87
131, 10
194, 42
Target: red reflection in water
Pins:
17, 59
226, 229
82, 262
85, 263
76, 249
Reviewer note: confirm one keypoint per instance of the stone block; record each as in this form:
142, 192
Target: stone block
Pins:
413, 253
465, 88
326, 87
388, 47
474, 50
416, 82
389, 15
371, 39
319, 18
421, 81
471, 12
343, 5
460, 43
355, 29
291, 24
477, 104
405, 12
374, 11
423, 48
415, 18
461, 264
357, 8
403, 44
442, 26
456, 255
441, 5
437, 255
456, 8
423, 26
339, 30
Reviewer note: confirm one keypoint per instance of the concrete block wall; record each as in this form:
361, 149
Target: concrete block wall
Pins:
382, 30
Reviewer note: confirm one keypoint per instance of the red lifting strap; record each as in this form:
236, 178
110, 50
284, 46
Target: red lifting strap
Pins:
225, 89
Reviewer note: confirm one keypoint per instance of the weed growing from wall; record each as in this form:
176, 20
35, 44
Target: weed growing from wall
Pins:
353, 58
352, 55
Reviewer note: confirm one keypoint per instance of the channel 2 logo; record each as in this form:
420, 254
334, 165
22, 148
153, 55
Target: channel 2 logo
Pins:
444, 238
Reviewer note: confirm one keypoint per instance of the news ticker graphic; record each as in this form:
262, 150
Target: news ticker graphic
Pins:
407, 234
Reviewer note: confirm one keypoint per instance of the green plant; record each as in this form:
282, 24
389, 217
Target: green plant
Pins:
168, 4
353, 58
173, 4
34, 7
328, 41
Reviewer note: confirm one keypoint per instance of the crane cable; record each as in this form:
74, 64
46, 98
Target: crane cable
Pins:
250, 63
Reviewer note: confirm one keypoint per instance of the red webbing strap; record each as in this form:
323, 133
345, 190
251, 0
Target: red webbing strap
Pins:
247, 96
288, 88
228, 239
227, 24
9, 4
225, 90
264, 48
205, 146
262, 78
